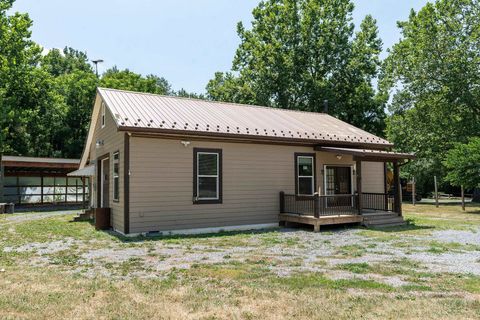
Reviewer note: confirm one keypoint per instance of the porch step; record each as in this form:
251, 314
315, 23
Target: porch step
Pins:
84, 216
383, 220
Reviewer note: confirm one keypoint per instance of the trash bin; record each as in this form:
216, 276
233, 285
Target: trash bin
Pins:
102, 218
10, 208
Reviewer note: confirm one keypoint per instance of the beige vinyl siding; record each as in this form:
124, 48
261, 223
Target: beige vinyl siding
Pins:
161, 184
373, 177
113, 141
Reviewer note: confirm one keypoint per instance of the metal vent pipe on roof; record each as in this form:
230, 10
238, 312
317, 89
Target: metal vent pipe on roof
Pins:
325, 106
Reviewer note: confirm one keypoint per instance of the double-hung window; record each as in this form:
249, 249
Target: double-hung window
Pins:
116, 176
305, 174
207, 175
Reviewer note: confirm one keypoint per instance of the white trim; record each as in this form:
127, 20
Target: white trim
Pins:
208, 176
312, 176
246, 227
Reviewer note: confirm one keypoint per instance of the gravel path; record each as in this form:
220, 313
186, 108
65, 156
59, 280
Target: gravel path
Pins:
285, 253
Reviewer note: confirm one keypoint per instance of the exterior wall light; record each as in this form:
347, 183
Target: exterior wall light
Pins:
185, 143
99, 144
339, 156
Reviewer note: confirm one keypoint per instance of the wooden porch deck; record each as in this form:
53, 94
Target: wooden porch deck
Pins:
367, 218
320, 221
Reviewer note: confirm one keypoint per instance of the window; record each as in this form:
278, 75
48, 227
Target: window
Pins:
116, 171
207, 175
103, 114
305, 174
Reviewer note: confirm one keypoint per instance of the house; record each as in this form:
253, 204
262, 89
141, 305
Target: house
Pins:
34, 181
175, 165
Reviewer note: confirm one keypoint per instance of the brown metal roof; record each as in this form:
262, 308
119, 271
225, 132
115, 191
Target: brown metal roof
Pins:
366, 153
134, 111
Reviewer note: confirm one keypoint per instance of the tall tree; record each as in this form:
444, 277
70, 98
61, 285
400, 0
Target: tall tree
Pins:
29, 107
128, 80
463, 164
299, 53
435, 73
76, 82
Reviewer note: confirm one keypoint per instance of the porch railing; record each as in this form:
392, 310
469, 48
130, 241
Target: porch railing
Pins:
319, 205
377, 201
332, 205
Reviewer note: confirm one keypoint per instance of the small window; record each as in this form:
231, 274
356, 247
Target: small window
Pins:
305, 174
116, 176
207, 176
103, 114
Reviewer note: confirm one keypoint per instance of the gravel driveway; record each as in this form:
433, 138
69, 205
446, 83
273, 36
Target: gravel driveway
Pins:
283, 251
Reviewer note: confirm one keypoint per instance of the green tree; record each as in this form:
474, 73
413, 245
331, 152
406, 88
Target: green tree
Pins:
29, 107
463, 164
299, 53
76, 82
128, 80
185, 94
69, 60
434, 71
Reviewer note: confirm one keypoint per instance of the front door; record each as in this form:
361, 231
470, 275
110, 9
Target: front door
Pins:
338, 181
105, 181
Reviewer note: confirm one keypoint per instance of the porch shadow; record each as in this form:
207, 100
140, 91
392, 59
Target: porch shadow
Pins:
409, 226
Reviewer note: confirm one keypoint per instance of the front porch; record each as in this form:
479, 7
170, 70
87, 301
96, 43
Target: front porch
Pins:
320, 210
339, 207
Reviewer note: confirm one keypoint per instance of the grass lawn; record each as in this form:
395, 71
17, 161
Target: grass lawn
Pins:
52, 268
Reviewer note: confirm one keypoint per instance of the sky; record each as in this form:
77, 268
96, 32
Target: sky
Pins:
185, 41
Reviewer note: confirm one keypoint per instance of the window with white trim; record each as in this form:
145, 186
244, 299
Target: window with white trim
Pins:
116, 176
207, 176
103, 115
305, 175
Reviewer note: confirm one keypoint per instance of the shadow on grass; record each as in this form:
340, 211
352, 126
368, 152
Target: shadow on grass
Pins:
409, 226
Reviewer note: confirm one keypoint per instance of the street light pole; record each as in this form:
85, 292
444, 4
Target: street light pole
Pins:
96, 62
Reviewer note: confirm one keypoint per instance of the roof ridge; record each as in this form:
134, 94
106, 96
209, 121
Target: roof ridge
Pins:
218, 102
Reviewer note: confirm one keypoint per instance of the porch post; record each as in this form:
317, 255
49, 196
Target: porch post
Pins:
398, 188
359, 185
282, 202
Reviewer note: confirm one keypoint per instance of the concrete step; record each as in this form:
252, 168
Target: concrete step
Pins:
382, 221
379, 216
396, 224
84, 216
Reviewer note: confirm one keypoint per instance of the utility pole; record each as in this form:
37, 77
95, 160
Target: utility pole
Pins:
96, 62
436, 191
463, 198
